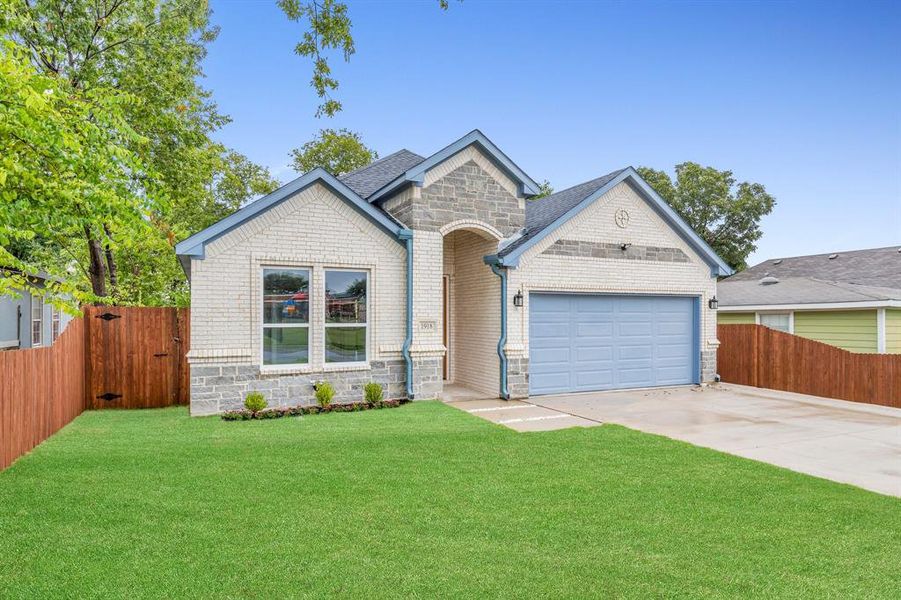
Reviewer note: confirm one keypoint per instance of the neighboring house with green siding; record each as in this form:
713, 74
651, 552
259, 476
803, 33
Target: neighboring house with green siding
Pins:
851, 300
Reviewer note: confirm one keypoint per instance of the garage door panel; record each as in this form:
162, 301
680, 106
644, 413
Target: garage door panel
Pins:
584, 342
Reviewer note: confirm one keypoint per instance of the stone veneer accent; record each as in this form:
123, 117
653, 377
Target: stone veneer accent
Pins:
427, 379
215, 388
708, 365
607, 250
518, 377
466, 193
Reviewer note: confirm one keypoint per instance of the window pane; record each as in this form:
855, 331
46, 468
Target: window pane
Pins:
775, 321
286, 296
345, 296
286, 345
345, 344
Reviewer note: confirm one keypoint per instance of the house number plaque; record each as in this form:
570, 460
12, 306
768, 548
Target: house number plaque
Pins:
427, 326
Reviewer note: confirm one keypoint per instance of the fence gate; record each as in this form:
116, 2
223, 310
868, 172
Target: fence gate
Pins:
135, 357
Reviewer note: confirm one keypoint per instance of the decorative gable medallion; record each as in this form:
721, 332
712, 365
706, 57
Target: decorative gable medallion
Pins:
621, 218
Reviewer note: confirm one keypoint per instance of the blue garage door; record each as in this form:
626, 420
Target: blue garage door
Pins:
579, 343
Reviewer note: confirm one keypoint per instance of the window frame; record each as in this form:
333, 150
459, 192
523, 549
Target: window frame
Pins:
55, 322
326, 325
308, 325
789, 313
37, 302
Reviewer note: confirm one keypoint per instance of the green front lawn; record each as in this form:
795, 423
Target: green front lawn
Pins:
423, 500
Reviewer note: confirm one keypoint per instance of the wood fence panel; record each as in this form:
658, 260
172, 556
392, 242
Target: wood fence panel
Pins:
41, 390
762, 357
137, 357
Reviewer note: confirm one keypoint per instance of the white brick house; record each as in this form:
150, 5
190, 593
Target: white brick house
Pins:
419, 272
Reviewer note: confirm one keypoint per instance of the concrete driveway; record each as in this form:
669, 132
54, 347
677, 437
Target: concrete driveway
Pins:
843, 441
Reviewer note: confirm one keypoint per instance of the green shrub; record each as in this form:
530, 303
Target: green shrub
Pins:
372, 393
255, 402
324, 393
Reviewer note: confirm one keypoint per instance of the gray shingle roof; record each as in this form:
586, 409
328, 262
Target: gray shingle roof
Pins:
544, 211
367, 180
855, 276
876, 266
798, 290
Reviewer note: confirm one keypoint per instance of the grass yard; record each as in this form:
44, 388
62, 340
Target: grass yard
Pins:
423, 501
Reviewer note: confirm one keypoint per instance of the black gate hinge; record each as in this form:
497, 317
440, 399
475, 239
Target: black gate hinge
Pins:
108, 316
109, 396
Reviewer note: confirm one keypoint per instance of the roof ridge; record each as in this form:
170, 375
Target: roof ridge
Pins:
572, 187
843, 285
839, 252
377, 161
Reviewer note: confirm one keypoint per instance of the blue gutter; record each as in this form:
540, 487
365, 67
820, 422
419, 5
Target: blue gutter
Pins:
502, 273
407, 237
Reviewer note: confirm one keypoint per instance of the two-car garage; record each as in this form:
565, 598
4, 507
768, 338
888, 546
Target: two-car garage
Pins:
587, 342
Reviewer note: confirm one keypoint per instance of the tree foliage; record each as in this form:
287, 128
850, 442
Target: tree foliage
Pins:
327, 27
132, 69
337, 151
725, 214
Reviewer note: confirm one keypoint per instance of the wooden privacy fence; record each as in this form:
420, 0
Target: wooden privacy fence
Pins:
112, 357
41, 390
762, 357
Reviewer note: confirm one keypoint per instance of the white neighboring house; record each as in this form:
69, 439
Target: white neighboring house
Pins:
420, 272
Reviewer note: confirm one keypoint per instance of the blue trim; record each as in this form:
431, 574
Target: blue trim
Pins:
194, 245
416, 174
407, 236
717, 265
502, 341
696, 327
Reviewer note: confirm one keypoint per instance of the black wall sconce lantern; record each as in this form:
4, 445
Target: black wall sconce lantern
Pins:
517, 299
713, 303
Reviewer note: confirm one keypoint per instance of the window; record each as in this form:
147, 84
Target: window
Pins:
345, 316
37, 320
778, 321
54, 324
286, 316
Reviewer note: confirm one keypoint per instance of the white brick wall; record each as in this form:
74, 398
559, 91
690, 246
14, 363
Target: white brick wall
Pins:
596, 223
313, 229
475, 311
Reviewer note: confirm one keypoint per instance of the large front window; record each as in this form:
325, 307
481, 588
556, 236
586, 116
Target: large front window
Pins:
286, 316
345, 316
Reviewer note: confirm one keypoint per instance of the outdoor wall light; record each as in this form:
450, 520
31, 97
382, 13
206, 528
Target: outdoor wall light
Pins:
624, 246
713, 303
517, 299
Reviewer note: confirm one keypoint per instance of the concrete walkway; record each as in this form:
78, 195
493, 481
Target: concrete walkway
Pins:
843, 441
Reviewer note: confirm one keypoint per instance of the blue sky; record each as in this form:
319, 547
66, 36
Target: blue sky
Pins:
804, 98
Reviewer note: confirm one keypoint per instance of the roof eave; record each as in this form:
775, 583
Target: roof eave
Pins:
718, 267
194, 246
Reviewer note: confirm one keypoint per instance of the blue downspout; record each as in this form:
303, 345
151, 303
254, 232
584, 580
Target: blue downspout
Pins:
502, 273
407, 236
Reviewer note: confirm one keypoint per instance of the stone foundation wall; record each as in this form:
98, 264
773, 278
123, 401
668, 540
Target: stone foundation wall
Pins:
217, 388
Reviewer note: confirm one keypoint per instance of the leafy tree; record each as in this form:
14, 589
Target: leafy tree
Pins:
544, 189
327, 27
725, 214
69, 167
337, 151
147, 55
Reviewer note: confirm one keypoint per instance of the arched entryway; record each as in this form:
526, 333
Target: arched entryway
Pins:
471, 308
